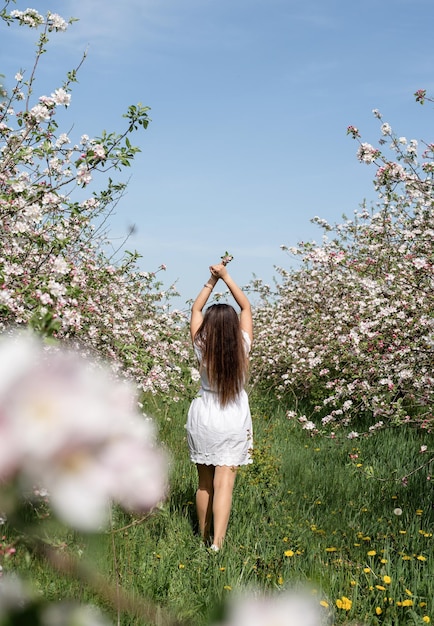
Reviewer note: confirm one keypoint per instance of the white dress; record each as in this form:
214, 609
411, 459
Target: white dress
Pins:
219, 435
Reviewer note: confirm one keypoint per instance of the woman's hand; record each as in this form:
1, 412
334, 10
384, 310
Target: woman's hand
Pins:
218, 270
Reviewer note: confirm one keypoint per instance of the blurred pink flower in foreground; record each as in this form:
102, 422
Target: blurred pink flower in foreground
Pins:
290, 608
66, 424
16, 596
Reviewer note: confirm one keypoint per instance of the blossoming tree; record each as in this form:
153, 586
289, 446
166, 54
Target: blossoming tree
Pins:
352, 328
56, 272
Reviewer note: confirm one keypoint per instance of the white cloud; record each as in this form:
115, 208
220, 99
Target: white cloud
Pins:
110, 27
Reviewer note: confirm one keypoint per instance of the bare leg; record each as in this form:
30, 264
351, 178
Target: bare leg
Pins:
204, 498
224, 480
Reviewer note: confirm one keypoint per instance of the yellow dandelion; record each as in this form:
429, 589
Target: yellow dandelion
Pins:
408, 592
402, 532
344, 603
280, 580
158, 556
331, 549
181, 566
422, 604
324, 603
285, 539
289, 553
372, 553
387, 579
420, 557
383, 561
222, 569
367, 570
405, 557
353, 583
419, 512
227, 588
407, 602
378, 610
426, 619
380, 587
366, 538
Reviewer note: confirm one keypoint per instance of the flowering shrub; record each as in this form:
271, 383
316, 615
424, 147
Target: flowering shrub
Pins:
56, 273
351, 328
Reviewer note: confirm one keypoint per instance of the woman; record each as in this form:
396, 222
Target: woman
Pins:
219, 424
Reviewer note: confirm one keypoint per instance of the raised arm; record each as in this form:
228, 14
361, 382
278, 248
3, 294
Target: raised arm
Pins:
197, 308
220, 271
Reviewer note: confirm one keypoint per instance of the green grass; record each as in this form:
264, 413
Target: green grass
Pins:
305, 511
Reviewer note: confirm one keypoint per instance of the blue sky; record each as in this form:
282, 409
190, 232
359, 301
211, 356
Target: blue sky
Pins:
250, 101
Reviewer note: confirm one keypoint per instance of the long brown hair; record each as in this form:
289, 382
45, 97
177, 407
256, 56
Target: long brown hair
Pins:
221, 342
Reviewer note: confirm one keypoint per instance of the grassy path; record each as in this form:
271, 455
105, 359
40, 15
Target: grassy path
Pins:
306, 511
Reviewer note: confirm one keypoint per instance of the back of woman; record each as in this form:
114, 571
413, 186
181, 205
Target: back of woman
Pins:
224, 351
219, 423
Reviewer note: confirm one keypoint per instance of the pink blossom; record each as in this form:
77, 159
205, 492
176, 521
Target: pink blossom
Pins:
367, 153
68, 425
420, 95
353, 131
289, 608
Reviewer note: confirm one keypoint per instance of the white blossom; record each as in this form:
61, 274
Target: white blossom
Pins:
57, 22
60, 96
40, 113
83, 175
353, 435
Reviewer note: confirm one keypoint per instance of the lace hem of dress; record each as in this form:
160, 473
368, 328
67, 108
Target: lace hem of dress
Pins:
201, 460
